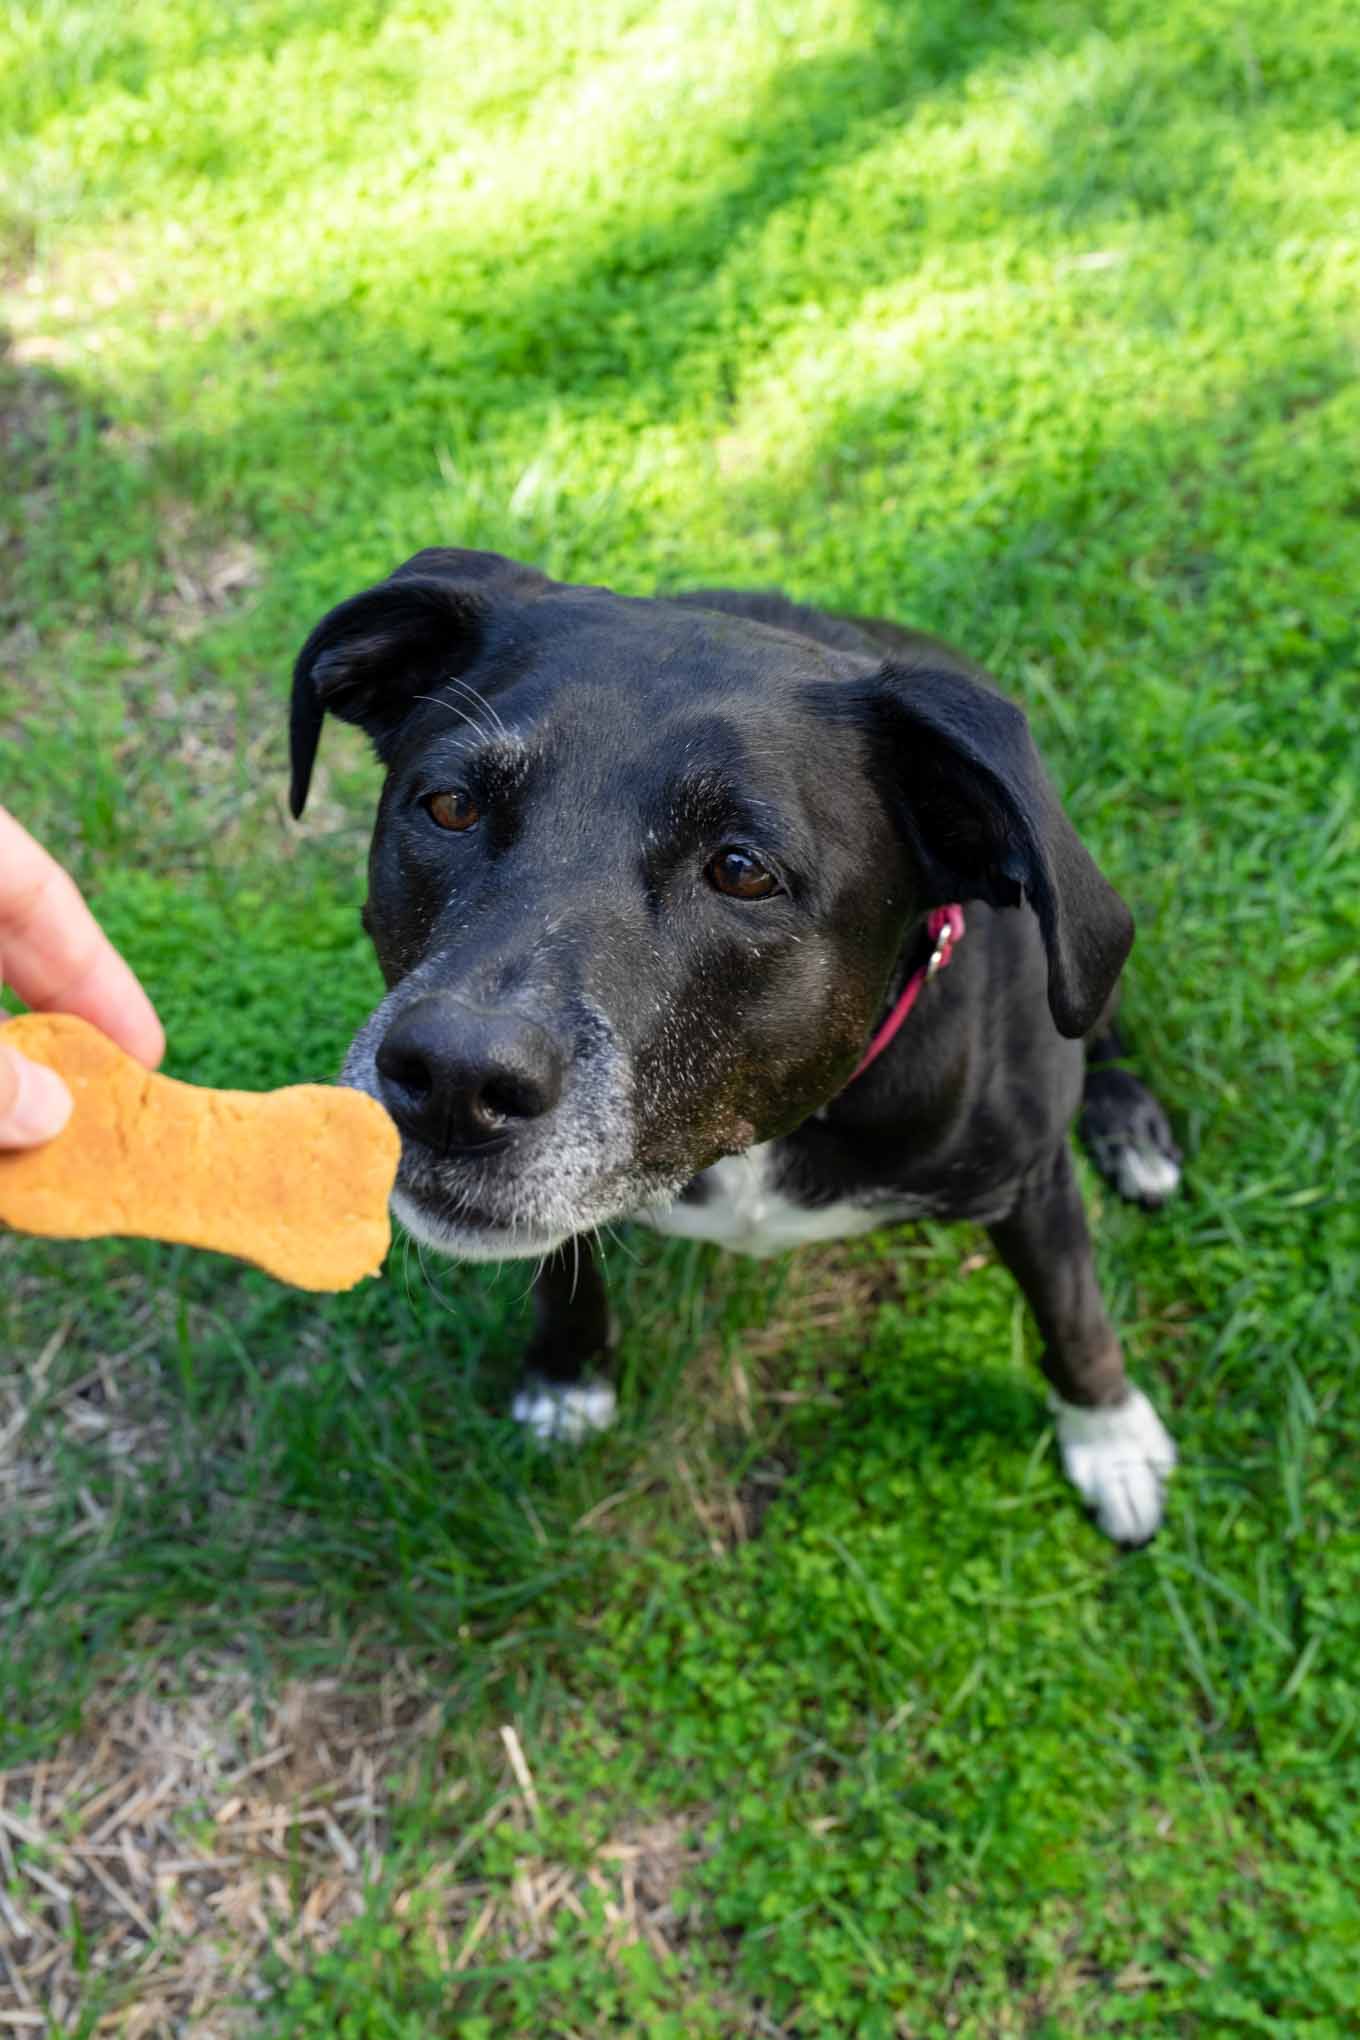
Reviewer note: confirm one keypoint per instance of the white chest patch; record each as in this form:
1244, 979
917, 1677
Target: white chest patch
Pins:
743, 1211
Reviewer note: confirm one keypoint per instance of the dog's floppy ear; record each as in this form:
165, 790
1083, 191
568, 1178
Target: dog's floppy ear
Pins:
372, 655
978, 809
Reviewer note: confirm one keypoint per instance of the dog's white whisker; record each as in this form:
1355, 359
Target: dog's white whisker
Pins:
540, 1263
492, 711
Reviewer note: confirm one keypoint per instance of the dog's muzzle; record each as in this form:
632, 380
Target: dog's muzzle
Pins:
462, 1080
516, 1133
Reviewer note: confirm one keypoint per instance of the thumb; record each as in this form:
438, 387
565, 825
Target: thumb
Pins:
34, 1102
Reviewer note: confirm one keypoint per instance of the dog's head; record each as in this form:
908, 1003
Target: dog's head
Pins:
640, 876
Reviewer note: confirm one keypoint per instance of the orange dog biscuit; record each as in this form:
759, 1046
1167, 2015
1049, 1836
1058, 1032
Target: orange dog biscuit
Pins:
296, 1181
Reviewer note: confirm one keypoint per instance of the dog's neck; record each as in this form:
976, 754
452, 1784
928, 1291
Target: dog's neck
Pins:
945, 927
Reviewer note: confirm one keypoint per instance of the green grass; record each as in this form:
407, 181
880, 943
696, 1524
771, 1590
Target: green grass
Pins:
1028, 323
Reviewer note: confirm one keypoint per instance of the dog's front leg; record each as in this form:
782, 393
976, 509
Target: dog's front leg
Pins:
564, 1393
1115, 1449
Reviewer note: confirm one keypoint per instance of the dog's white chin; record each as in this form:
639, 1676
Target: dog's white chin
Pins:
469, 1243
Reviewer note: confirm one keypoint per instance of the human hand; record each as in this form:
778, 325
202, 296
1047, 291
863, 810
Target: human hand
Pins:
57, 958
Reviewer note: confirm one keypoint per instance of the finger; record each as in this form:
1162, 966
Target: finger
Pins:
34, 1102
56, 956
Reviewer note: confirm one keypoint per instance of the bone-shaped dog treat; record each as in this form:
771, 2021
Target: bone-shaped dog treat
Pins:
296, 1181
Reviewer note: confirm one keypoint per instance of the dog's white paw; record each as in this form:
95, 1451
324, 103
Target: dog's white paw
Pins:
1119, 1460
563, 1413
1129, 1138
1144, 1175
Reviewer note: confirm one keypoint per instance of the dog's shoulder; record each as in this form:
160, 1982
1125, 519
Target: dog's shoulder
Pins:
774, 611
870, 636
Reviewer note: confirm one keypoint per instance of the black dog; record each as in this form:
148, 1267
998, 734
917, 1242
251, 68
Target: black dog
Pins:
647, 878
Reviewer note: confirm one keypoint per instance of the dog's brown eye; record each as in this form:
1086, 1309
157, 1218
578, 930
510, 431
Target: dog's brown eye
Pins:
453, 810
740, 875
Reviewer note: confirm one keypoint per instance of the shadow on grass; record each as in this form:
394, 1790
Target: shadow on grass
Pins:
674, 306
633, 319
213, 1464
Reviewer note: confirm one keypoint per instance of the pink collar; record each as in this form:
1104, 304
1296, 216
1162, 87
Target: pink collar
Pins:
944, 925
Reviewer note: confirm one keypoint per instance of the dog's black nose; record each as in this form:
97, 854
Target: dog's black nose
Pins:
454, 1076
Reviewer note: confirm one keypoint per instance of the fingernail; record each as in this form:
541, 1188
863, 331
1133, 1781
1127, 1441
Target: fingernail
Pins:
42, 1105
